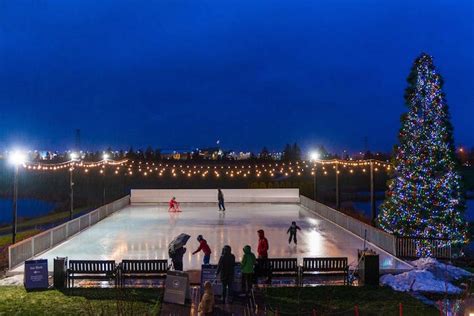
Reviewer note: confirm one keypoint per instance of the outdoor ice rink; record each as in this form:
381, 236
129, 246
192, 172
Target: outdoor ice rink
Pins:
144, 232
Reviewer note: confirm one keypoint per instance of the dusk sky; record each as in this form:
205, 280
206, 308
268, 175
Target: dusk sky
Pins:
182, 74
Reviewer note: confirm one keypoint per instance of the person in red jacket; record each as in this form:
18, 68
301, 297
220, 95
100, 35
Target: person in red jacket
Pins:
262, 251
174, 205
205, 248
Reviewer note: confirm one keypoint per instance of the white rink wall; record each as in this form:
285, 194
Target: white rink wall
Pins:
138, 196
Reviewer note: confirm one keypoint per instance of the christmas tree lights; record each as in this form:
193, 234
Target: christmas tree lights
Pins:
425, 198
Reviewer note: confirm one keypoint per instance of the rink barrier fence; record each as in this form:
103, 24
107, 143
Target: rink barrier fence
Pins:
374, 235
31, 247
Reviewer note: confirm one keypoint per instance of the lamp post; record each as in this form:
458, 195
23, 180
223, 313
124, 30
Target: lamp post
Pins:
314, 157
74, 157
373, 209
16, 158
105, 158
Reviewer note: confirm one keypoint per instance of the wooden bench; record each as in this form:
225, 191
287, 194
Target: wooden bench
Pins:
104, 270
280, 267
325, 266
142, 269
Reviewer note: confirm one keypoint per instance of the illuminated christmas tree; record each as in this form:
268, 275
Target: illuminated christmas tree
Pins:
425, 196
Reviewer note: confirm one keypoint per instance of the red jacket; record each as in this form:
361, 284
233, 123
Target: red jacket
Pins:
262, 249
204, 247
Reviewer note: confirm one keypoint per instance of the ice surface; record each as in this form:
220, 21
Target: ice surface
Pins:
144, 232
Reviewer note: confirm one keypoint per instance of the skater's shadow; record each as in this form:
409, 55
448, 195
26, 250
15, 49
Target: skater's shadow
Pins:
221, 220
292, 249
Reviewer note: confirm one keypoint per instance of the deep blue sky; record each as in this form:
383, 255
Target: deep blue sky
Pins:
179, 73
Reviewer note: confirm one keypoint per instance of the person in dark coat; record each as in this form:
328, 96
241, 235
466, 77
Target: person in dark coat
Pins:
292, 231
177, 258
220, 199
225, 269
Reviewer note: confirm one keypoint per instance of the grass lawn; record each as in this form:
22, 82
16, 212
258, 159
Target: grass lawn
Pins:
342, 299
42, 220
6, 240
14, 300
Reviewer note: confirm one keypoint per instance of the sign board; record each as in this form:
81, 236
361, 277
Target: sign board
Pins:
36, 274
208, 273
176, 287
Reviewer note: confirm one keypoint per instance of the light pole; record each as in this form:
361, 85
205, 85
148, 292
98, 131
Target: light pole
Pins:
314, 157
74, 157
16, 158
373, 209
105, 158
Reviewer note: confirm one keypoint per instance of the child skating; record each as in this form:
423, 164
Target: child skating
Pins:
292, 231
174, 205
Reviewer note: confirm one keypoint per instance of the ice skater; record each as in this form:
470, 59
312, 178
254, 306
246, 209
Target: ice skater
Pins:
205, 248
292, 231
174, 205
220, 199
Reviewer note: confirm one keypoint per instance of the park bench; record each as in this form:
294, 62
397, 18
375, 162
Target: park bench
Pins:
142, 269
280, 267
337, 266
105, 270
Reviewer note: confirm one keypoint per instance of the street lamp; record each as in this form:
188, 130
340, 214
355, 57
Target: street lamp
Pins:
16, 158
314, 157
105, 157
74, 157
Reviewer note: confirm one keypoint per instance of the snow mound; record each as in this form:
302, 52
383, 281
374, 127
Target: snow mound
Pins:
13, 280
441, 270
428, 275
419, 281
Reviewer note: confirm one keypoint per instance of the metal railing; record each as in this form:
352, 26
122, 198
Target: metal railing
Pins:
33, 246
374, 235
413, 247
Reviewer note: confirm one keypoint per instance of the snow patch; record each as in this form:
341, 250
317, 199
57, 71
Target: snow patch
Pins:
13, 280
428, 275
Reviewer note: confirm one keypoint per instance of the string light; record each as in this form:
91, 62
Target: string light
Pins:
190, 170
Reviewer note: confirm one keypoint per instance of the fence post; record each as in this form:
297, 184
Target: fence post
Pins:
400, 309
9, 258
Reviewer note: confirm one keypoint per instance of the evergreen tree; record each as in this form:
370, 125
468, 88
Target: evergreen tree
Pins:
158, 154
295, 152
149, 153
130, 153
264, 154
425, 197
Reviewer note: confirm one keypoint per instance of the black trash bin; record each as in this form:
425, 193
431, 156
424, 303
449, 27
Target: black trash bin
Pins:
369, 268
59, 274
